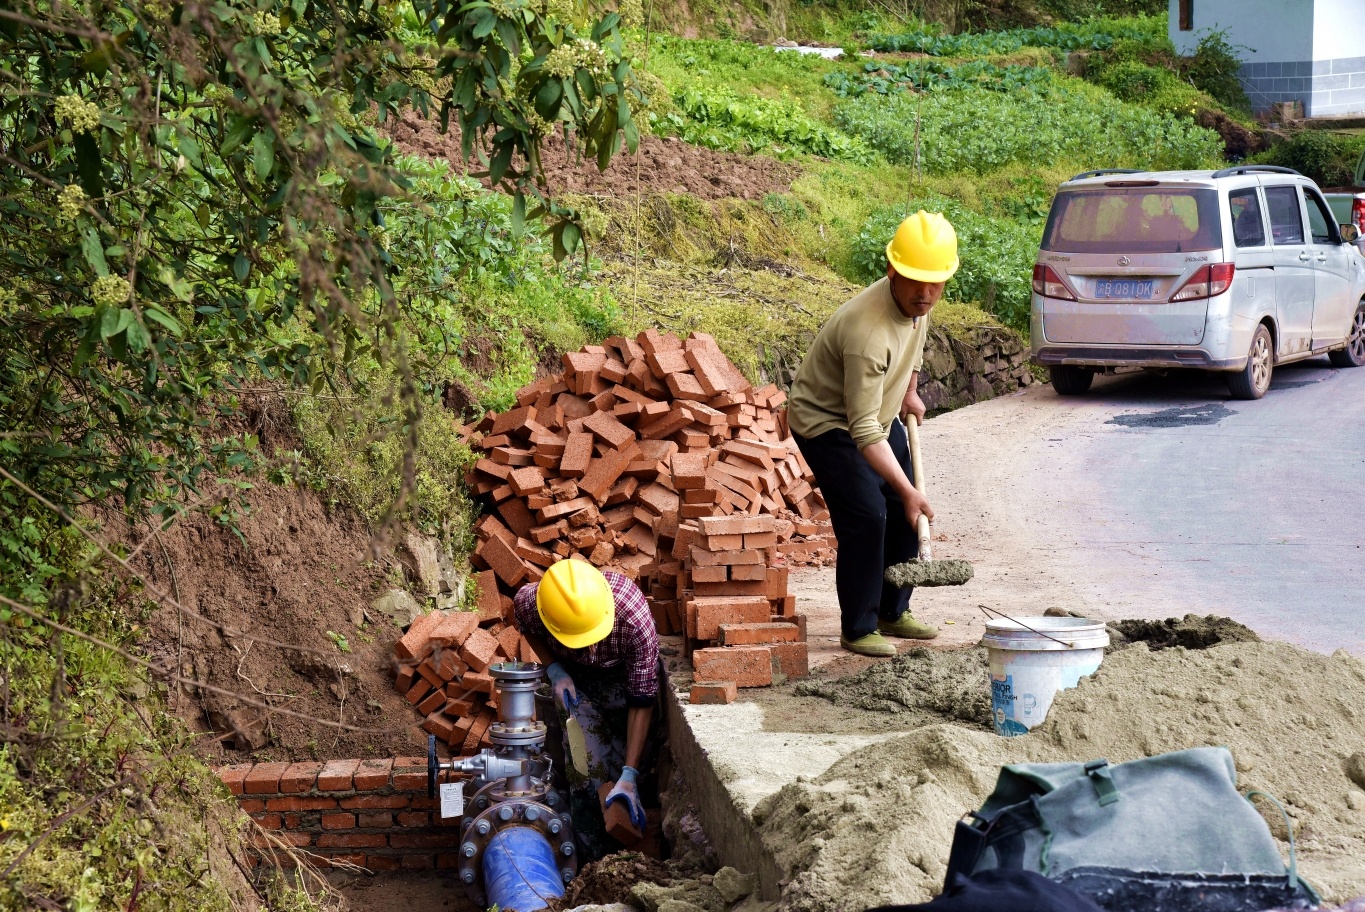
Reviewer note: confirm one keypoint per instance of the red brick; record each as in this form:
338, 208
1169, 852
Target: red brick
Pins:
420, 840
410, 780
381, 863
374, 820
479, 650
337, 776
747, 666
456, 627
566, 508
509, 640
267, 821
757, 634
372, 774
512, 421
733, 589
753, 573
617, 818
352, 840
478, 681
418, 862
577, 453
414, 819
437, 724
345, 859
264, 779
293, 839
503, 561
250, 805
685, 386
713, 692
418, 691
530, 480
702, 558
431, 703
721, 542
448, 860
611, 432
689, 471
299, 778
234, 776
602, 474
490, 600
403, 681
338, 821
712, 612
730, 525
717, 574
372, 802
793, 659
416, 643
777, 582
301, 804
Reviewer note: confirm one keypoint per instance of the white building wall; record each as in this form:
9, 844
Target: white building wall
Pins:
1273, 31
1338, 58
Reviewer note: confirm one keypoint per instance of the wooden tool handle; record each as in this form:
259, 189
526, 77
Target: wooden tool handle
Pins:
917, 471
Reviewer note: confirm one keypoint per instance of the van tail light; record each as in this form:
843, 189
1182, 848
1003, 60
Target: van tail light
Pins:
1207, 282
1047, 283
1358, 213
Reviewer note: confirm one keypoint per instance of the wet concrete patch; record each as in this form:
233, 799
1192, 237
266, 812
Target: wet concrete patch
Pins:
1181, 416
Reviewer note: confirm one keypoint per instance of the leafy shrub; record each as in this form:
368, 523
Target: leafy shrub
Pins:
1214, 67
1328, 158
997, 256
720, 118
1153, 87
887, 78
982, 131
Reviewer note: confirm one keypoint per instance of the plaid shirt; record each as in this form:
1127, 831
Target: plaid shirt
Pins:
633, 641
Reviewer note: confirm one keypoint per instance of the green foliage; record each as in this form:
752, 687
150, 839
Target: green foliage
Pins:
1153, 87
1328, 158
720, 118
997, 256
1213, 69
979, 131
888, 78
1092, 35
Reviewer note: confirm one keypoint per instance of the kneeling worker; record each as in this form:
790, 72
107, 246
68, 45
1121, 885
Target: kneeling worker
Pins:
859, 377
606, 674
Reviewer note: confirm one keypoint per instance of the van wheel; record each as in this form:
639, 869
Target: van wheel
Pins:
1353, 355
1252, 381
1069, 380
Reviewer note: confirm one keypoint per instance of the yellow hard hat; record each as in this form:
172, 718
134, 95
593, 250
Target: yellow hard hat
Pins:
575, 603
924, 248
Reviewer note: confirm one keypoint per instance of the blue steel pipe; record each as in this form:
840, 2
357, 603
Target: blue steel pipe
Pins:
519, 871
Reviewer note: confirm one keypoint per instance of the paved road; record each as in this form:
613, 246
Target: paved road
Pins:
1157, 496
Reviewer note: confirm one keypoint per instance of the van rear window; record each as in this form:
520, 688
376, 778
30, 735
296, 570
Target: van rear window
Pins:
1133, 220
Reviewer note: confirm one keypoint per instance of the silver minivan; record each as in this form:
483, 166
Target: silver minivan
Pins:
1235, 270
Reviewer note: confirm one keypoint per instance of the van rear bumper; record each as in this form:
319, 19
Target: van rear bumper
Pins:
1105, 356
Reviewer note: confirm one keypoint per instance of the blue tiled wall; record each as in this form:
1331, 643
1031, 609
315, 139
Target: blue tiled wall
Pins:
1326, 87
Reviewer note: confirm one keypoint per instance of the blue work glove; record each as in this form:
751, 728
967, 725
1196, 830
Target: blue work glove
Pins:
562, 686
626, 790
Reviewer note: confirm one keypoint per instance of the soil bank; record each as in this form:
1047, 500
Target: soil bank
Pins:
876, 827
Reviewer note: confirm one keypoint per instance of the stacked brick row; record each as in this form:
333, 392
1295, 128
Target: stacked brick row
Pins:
442, 663
374, 814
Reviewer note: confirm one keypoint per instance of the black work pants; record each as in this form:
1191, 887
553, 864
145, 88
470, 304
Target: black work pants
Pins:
869, 522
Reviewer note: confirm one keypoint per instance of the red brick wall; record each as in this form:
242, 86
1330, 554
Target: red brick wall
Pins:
371, 813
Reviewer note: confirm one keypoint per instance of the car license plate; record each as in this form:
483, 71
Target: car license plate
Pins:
1126, 289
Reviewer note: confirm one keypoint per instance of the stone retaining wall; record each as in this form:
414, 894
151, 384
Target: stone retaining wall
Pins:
374, 814
972, 365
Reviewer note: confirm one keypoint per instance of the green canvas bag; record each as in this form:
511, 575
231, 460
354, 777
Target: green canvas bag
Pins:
1168, 826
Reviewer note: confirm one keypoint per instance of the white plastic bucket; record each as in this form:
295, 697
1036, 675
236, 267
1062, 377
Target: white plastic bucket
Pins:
1029, 666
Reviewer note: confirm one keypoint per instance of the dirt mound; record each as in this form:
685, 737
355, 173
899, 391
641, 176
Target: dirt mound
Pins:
1189, 632
610, 880
1238, 141
296, 573
928, 686
664, 166
876, 827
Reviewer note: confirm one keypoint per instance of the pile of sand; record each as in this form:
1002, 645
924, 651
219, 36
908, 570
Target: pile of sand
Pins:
925, 685
877, 826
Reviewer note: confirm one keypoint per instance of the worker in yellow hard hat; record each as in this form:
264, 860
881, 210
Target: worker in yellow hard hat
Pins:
856, 386
598, 629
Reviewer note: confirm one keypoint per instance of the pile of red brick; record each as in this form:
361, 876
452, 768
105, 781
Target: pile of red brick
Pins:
619, 458
443, 664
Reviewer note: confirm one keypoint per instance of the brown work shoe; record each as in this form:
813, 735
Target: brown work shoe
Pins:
906, 627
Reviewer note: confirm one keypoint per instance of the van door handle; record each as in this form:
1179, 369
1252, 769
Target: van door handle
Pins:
1322, 258
1304, 257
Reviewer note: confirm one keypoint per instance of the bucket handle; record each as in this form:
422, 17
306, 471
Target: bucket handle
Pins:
990, 611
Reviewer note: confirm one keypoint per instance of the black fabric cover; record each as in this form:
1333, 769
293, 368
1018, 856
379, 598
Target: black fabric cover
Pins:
1003, 890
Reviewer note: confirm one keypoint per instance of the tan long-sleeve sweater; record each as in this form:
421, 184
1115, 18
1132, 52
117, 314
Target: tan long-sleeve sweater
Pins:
858, 368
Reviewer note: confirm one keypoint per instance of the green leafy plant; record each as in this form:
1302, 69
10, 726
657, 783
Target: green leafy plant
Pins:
719, 118
980, 131
1153, 87
1094, 35
1214, 67
339, 641
888, 78
1328, 158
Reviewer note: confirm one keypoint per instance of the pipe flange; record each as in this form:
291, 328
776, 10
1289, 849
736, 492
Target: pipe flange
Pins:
556, 828
528, 672
517, 734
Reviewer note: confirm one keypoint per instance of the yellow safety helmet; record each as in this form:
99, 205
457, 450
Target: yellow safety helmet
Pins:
575, 603
924, 248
